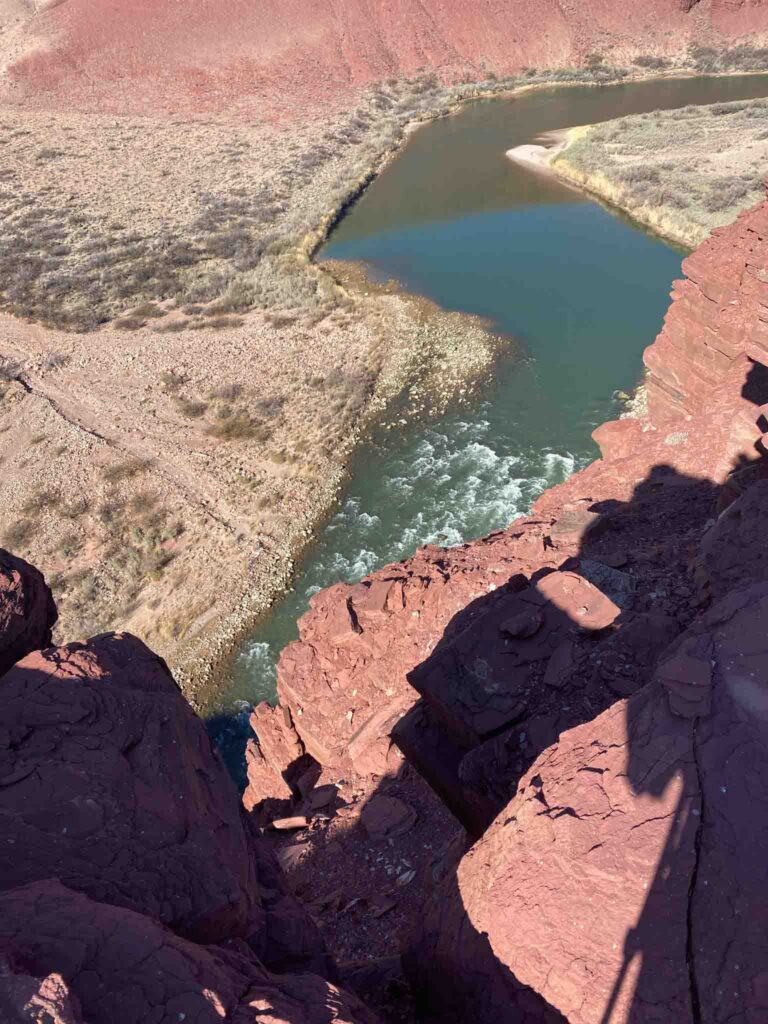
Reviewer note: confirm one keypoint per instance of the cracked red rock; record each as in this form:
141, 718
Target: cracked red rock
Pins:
124, 968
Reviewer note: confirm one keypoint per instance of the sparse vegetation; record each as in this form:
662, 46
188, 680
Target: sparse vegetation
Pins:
191, 408
683, 171
18, 535
238, 425
68, 261
126, 470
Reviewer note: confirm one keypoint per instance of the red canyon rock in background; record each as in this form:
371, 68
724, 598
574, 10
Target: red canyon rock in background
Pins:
27, 611
120, 967
257, 57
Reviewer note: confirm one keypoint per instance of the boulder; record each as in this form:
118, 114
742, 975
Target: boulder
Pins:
27, 610
627, 879
110, 784
491, 674
124, 968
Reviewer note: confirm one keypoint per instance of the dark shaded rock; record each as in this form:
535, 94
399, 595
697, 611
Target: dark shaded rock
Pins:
485, 679
25, 999
627, 879
385, 816
109, 783
124, 968
27, 610
735, 549
382, 985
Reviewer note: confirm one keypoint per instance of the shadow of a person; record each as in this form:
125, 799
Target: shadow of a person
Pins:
455, 965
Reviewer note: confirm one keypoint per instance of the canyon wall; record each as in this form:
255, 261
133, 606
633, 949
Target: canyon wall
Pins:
238, 56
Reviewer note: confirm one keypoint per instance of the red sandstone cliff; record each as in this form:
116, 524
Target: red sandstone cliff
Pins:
152, 55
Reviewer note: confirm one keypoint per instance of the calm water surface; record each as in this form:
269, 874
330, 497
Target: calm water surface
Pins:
582, 291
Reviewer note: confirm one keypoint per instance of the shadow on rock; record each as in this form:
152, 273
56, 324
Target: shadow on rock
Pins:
611, 887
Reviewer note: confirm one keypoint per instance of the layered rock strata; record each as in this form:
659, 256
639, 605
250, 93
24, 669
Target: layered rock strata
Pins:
719, 314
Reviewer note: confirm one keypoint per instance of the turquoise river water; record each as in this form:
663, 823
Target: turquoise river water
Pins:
582, 291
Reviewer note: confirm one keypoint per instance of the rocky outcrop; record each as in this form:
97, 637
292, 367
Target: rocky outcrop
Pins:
345, 680
27, 610
117, 966
111, 785
24, 998
152, 56
132, 887
626, 880
719, 314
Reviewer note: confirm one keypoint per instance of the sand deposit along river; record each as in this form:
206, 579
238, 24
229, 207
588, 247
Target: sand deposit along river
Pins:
582, 291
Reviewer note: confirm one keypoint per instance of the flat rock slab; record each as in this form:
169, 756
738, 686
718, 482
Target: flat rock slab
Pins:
386, 816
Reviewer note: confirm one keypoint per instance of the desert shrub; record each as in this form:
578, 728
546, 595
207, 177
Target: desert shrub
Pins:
193, 409
727, 192
18, 534
55, 360
41, 500
651, 62
172, 326
219, 323
10, 369
143, 502
633, 175
75, 509
70, 545
129, 323
126, 470
147, 310
171, 380
227, 392
270, 407
237, 425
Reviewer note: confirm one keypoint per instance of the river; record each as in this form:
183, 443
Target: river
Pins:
581, 290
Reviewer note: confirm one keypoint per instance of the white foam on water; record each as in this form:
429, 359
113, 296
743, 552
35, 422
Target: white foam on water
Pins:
258, 660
